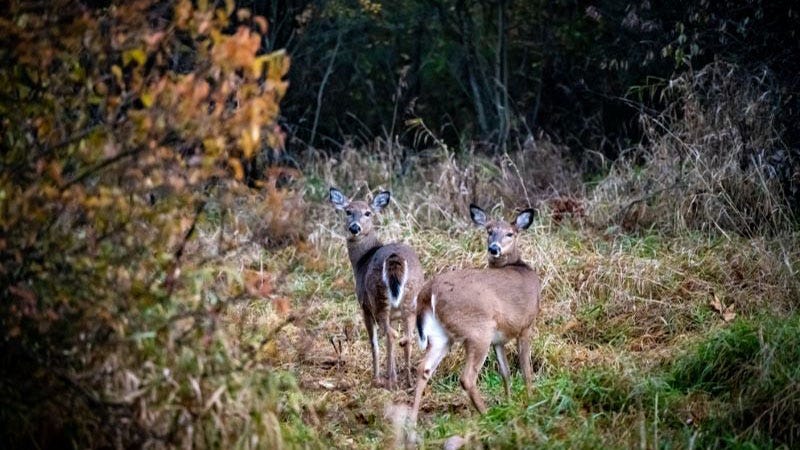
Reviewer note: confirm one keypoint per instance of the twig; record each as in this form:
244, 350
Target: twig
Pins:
169, 282
327, 75
624, 210
101, 165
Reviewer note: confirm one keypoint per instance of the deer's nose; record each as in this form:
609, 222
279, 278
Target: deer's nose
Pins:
354, 228
494, 249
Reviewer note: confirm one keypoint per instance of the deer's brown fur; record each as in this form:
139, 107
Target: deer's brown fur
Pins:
480, 308
387, 277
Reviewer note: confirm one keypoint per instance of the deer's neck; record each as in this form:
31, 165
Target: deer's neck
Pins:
512, 259
358, 249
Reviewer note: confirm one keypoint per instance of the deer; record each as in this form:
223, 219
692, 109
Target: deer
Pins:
387, 278
480, 308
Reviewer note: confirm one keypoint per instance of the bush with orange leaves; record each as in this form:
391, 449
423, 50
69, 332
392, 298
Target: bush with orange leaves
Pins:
107, 338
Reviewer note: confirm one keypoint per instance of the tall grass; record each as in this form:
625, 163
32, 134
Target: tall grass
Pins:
636, 344
712, 160
752, 366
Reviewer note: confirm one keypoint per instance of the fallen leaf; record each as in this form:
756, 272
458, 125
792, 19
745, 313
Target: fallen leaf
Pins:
725, 311
257, 283
572, 324
717, 304
728, 315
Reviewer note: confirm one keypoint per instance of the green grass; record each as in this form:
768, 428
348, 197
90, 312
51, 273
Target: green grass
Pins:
753, 369
629, 352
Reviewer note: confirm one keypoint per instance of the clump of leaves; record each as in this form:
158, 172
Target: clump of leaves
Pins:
120, 124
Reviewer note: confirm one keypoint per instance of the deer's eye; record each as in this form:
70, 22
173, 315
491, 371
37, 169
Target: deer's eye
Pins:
368, 213
349, 213
509, 234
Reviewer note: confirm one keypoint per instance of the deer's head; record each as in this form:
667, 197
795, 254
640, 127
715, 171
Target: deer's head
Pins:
501, 235
358, 214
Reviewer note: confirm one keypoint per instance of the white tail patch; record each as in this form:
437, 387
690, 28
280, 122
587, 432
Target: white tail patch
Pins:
395, 301
439, 343
432, 330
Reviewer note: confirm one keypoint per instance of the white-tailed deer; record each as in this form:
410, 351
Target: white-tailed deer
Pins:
481, 308
388, 278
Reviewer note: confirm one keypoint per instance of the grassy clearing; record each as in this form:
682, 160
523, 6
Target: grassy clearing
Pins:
624, 356
669, 309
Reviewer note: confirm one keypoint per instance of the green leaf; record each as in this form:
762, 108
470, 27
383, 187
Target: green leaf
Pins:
135, 54
147, 99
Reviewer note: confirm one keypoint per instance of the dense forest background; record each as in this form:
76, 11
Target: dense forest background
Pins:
498, 71
172, 275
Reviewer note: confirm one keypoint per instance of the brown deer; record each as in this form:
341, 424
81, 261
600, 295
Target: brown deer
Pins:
388, 278
481, 308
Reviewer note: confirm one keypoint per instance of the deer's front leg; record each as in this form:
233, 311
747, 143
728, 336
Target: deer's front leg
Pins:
390, 363
524, 346
372, 334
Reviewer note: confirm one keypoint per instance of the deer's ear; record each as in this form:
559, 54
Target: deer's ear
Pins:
524, 219
478, 215
338, 200
381, 200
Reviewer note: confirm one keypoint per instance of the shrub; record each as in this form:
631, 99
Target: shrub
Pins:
712, 160
122, 126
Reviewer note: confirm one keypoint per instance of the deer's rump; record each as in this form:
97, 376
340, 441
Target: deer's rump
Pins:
391, 273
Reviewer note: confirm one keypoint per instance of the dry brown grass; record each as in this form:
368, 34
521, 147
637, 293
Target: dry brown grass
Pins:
611, 300
712, 161
620, 300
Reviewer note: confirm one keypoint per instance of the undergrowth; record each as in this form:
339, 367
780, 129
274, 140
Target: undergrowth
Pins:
669, 312
669, 309
752, 368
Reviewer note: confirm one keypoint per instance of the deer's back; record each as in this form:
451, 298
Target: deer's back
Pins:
472, 299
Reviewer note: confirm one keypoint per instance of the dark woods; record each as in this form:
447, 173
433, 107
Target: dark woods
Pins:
497, 71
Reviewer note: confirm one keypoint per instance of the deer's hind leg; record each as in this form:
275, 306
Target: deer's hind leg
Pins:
500, 351
409, 337
438, 346
524, 346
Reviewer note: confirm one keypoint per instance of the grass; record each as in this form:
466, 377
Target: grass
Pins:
630, 351
752, 368
669, 310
